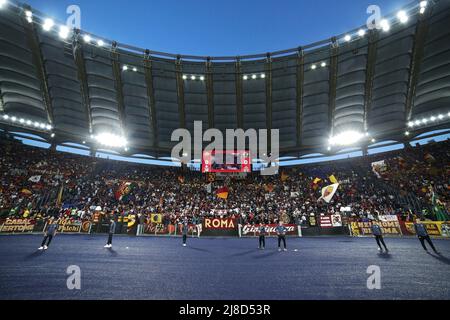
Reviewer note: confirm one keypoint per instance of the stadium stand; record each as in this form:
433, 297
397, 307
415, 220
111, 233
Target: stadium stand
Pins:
33, 178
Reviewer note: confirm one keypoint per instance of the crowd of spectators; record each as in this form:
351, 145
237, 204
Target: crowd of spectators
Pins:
36, 182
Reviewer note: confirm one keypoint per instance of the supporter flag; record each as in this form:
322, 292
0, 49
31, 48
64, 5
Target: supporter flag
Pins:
315, 184
60, 194
317, 180
269, 187
26, 192
333, 179
429, 158
35, 179
438, 210
124, 189
379, 168
328, 192
284, 176
156, 218
181, 179
223, 193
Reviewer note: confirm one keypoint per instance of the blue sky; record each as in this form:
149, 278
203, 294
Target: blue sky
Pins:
214, 27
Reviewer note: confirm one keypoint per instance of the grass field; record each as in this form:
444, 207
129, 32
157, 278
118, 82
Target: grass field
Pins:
221, 268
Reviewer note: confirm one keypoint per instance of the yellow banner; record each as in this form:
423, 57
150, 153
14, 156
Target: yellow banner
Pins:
156, 218
434, 228
364, 228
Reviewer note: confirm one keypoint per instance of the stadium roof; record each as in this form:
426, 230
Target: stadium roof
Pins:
78, 85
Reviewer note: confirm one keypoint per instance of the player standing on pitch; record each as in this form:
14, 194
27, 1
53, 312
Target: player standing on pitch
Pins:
50, 233
262, 236
422, 234
281, 232
378, 233
112, 230
184, 230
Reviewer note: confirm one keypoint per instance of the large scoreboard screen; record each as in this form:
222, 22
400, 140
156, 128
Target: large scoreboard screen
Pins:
226, 161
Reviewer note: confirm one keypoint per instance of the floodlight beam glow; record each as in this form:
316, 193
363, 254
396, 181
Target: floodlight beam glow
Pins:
48, 24
111, 140
64, 32
346, 138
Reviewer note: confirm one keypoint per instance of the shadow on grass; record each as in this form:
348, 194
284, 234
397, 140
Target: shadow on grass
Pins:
440, 257
33, 255
266, 254
197, 249
384, 255
112, 252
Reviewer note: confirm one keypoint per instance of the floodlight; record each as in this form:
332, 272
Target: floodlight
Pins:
48, 24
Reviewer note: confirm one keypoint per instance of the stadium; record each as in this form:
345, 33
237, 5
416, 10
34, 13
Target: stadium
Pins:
355, 127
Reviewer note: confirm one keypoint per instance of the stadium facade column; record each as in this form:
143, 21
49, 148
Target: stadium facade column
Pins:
53, 146
148, 69
268, 71
299, 87
416, 61
82, 77
38, 61
180, 91
334, 50
2, 109
370, 72
210, 92
115, 57
239, 94
365, 151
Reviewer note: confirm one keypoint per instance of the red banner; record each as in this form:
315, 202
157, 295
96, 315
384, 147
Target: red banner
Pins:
226, 161
325, 222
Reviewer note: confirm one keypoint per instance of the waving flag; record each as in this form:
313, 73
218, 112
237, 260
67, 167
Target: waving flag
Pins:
124, 189
438, 208
223, 193
333, 179
60, 195
378, 168
35, 179
26, 192
269, 187
328, 192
